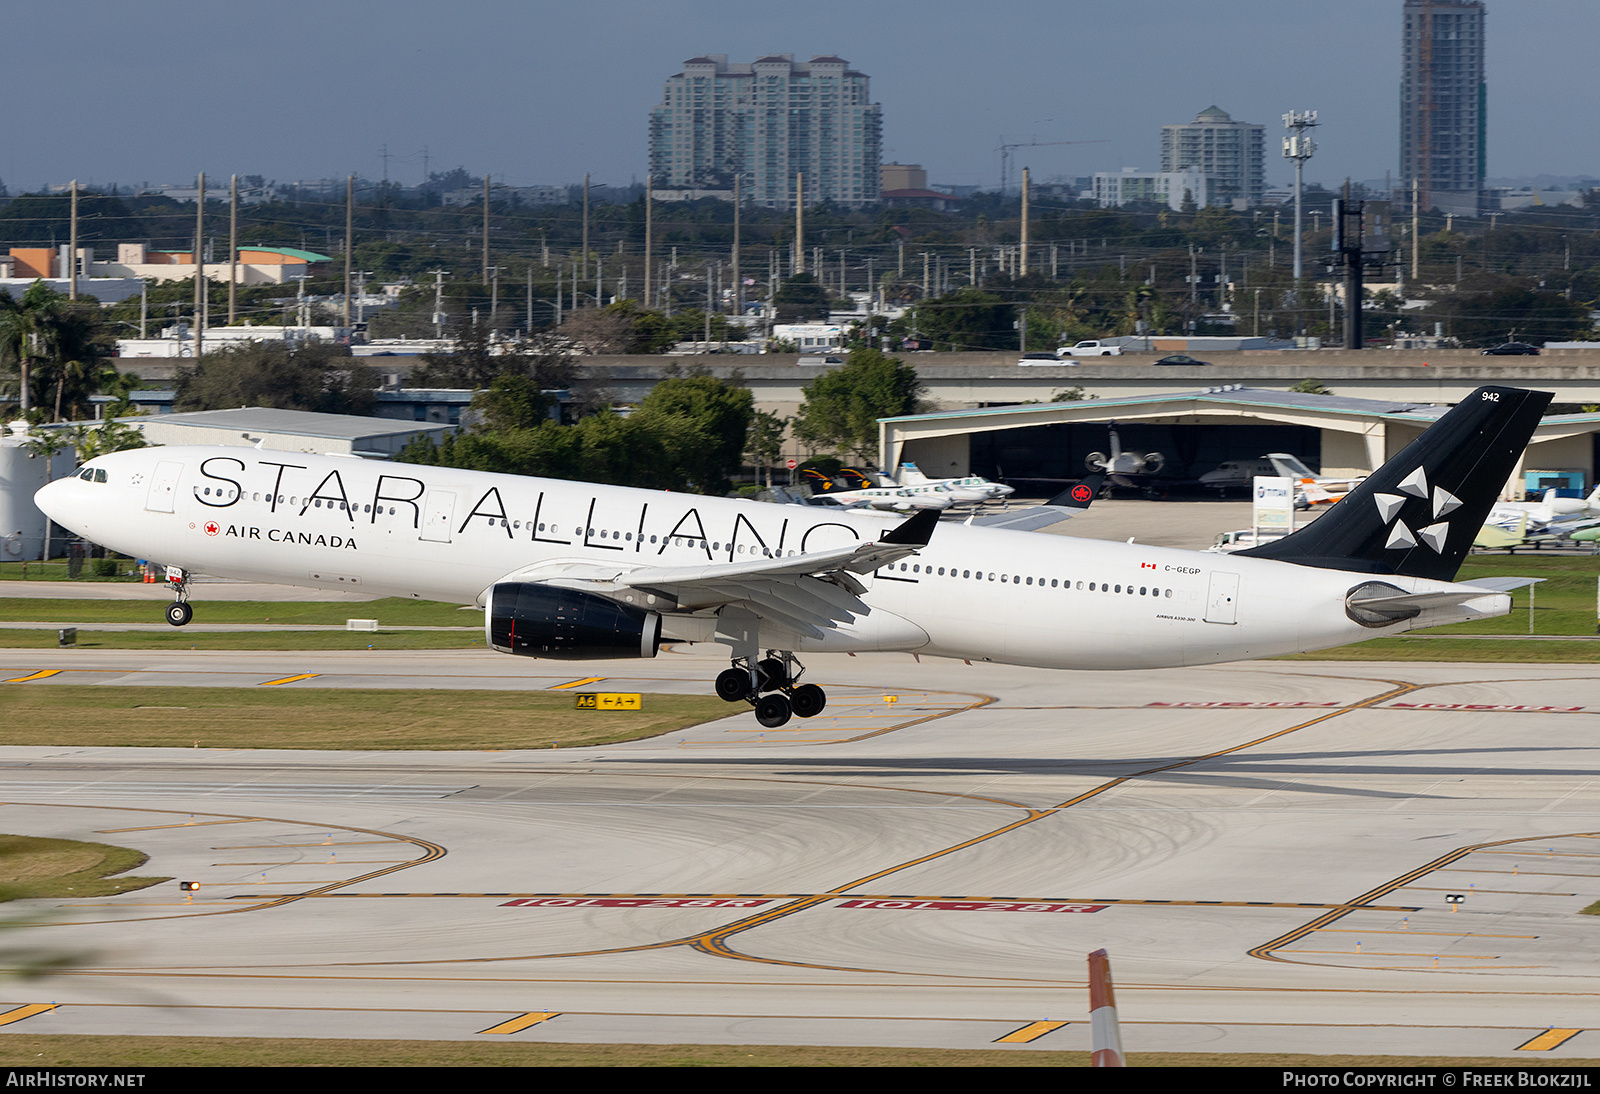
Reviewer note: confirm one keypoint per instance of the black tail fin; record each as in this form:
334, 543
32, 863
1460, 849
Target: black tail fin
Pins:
1417, 514
819, 483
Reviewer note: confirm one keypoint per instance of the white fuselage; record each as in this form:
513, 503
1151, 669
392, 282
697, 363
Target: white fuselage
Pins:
435, 533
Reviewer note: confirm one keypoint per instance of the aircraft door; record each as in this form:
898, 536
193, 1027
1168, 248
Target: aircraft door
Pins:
1223, 598
437, 517
163, 486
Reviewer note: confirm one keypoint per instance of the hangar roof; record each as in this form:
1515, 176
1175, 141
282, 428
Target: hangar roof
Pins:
1212, 405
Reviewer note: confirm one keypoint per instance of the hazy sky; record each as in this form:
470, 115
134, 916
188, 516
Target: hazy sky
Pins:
540, 93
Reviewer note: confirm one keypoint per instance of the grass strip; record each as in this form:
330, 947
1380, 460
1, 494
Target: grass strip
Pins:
185, 639
22, 1049
32, 866
392, 611
75, 715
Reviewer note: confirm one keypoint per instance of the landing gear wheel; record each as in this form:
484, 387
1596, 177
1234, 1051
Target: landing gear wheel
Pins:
772, 711
732, 685
179, 613
774, 674
808, 700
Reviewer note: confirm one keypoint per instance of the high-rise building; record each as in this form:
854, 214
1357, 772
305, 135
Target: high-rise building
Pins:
768, 121
1442, 104
1232, 155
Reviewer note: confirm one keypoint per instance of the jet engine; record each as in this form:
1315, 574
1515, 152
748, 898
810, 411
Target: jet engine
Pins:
567, 625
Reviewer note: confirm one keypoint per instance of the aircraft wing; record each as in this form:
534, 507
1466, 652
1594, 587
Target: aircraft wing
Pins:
1064, 506
808, 593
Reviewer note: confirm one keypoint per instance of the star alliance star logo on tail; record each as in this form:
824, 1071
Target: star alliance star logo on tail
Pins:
1401, 537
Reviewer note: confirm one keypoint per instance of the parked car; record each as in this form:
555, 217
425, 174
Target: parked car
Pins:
1091, 349
1043, 359
1512, 349
1180, 359
819, 359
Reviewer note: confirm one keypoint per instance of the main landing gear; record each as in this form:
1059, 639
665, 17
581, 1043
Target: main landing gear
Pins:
179, 612
769, 685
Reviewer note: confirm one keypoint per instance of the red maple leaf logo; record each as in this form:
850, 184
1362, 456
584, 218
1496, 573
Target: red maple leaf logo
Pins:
212, 527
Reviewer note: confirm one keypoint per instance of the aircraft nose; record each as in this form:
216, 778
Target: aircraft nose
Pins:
61, 501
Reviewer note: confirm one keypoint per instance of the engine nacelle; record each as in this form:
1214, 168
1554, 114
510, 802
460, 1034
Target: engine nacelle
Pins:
544, 621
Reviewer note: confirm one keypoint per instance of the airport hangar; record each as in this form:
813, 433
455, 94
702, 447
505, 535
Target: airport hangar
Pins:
1197, 430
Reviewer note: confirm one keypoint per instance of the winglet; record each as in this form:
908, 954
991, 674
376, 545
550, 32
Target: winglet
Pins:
916, 531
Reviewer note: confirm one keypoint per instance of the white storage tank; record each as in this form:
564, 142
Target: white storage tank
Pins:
22, 474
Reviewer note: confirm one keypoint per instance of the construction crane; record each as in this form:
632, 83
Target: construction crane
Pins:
1005, 154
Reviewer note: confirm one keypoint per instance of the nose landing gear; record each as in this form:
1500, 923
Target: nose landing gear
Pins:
769, 686
179, 612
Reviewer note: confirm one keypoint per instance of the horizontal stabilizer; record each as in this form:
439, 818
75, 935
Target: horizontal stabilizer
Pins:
1399, 602
1503, 584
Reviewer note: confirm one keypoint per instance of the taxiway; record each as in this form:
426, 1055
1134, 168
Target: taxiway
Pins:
1265, 849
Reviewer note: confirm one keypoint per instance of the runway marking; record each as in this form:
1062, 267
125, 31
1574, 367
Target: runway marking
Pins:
290, 679
632, 902
28, 1011
1549, 1039
523, 1021
734, 899
274, 846
1442, 934
1425, 955
432, 850
40, 675
1404, 881
1502, 892
159, 827
576, 683
1030, 1032
971, 906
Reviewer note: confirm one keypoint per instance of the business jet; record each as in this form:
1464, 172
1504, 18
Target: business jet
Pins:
570, 570
1123, 467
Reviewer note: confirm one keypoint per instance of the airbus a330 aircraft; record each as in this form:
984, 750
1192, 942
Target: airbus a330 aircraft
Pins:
575, 571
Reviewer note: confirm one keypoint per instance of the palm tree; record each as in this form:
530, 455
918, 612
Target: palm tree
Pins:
53, 343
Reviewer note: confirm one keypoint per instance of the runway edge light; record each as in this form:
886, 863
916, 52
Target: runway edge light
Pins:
1107, 1034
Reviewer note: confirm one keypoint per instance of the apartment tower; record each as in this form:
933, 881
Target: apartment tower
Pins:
1232, 155
1443, 122
768, 121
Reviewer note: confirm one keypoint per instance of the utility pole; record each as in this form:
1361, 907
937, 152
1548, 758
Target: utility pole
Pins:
1299, 147
1416, 233
486, 227
649, 233
72, 256
349, 228
199, 266
233, 250
738, 285
585, 233
1024, 253
800, 223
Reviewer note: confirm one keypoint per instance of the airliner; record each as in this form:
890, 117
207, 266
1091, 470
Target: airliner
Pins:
570, 570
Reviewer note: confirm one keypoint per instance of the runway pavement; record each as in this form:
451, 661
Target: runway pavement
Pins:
1265, 849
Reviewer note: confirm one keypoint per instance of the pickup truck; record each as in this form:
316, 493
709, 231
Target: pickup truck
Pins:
1091, 349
